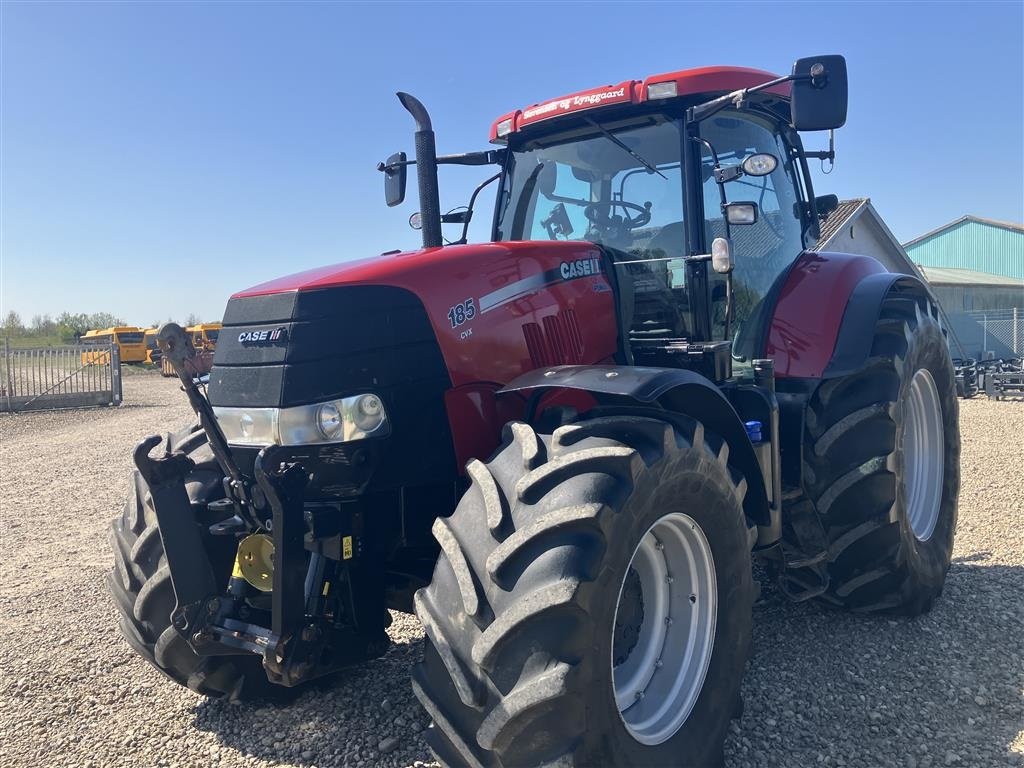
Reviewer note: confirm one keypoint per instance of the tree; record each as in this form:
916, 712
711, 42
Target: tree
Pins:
43, 325
13, 325
104, 320
77, 324
192, 319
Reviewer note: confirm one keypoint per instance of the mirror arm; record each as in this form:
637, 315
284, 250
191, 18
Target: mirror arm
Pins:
472, 201
720, 179
489, 157
709, 108
830, 153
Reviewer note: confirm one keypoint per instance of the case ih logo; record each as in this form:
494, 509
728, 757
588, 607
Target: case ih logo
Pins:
580, 268
263, 337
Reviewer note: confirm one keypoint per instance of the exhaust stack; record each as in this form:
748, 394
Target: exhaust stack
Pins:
426, 171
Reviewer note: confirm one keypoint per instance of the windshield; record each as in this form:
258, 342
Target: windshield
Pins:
619, 186
588, 186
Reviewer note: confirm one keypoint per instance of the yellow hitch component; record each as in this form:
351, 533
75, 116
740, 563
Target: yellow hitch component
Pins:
254, 561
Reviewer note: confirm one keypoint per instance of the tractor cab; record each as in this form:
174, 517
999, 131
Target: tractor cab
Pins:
699, 207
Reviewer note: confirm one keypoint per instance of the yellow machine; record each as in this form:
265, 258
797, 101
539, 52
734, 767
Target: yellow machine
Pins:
204, 336
131, 345
152, 350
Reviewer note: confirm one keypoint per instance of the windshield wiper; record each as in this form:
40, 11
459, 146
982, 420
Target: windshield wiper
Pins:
621, 145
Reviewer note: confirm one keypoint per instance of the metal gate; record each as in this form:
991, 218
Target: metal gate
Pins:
73, 376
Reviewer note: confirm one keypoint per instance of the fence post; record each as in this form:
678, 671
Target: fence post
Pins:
115, 374
1016, 349
7, 365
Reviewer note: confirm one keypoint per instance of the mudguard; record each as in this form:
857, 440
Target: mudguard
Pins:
677, 391
823, 313
857, 331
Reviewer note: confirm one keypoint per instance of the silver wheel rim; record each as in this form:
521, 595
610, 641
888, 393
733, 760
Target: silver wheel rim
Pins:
658, 683
923, 460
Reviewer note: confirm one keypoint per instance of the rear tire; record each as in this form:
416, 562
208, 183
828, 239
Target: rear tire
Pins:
882, 468
521, 614
140, 583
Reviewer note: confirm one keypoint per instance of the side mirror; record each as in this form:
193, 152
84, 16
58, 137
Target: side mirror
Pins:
394, 179
819, 98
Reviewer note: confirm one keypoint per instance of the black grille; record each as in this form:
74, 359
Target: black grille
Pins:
337, 342
334, 342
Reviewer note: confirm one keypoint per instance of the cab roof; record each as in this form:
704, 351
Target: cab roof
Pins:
688, 82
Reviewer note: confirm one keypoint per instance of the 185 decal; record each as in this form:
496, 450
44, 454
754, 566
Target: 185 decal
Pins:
462, 313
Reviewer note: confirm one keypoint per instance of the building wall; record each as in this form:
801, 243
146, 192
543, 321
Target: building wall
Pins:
973, 245
863, 235
957, 298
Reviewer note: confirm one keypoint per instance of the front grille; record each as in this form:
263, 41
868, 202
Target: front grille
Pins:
336, 342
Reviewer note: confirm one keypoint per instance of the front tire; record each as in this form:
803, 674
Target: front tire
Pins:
882, 466
544, 623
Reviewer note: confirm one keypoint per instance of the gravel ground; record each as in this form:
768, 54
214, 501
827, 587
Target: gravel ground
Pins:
823, 688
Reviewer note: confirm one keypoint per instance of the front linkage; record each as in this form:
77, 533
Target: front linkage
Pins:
309, 628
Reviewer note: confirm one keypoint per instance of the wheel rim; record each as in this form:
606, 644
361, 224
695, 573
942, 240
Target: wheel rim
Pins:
658, 679
923, 461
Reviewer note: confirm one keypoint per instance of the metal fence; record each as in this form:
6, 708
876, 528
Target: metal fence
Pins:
1005, 326
73, 376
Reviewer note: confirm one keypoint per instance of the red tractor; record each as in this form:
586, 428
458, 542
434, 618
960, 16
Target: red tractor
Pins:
563, 448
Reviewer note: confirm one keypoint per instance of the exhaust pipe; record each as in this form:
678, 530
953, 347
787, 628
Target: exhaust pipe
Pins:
426, 171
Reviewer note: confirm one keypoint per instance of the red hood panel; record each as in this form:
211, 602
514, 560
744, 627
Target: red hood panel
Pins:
498, 309
400, 267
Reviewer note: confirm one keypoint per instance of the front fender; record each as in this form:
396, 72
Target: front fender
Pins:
676, 391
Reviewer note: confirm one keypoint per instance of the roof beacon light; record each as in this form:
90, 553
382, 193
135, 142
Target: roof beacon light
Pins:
662, 90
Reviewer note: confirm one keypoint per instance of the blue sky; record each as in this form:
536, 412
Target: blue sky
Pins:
155, 158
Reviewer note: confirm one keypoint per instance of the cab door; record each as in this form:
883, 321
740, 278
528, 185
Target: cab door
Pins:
764, 250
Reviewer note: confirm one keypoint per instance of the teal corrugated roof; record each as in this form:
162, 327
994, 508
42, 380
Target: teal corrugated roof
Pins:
980, 219
951, 276
973, 243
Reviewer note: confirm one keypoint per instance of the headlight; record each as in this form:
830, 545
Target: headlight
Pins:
336, 421
330, 422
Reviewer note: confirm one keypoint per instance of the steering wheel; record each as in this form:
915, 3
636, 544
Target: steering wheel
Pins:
600, 215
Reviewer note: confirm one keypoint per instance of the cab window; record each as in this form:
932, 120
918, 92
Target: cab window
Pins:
763, 250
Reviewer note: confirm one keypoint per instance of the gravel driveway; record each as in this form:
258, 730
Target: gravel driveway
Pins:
823, 688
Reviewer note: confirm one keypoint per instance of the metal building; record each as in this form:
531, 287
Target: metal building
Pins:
971, 242
984, 311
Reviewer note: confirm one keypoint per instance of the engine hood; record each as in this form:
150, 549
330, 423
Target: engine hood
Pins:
418, 269
496, 309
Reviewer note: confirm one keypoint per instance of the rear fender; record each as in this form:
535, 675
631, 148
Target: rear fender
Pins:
676, 391
863, 308
808, 311
824, 312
